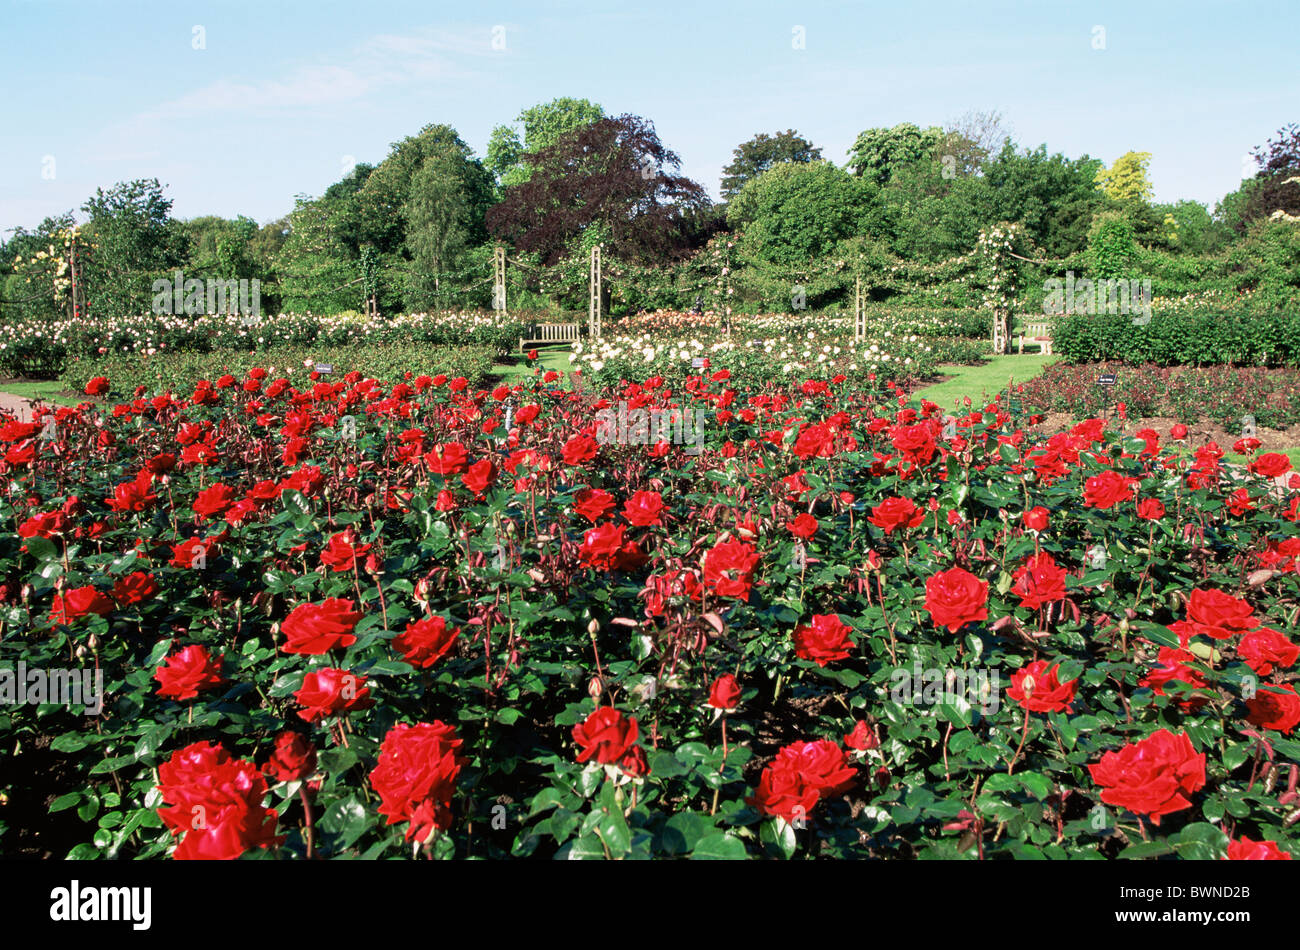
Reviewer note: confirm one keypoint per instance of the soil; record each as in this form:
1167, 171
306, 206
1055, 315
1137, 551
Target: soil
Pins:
1198, 433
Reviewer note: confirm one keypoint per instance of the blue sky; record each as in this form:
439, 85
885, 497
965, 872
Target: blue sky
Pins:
285, 93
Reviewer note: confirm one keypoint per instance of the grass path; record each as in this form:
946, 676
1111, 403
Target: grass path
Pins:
981, 383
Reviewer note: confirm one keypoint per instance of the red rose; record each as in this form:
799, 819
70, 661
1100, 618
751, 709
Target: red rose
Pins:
1275, 707
1265, 648
781, 792
728, 569
825, 640
1150, 509
342, 551
1178, 432
77, 603
216, 804
331, 691
1271, 465
635, 762
135, 495
643, 509
213, 500
1036, 688
480, 476
593, 503
292, 759
316, 628
1219, 615
188, 672
1106, 490
97, 386
1171, 668
416, 776
956, 597
579, 449
603, 547
1036, 519
1151, 777
426, 641
896, 513
605, 735
821, 764
863, 738
135, 588
447, 459
916, 443
1039, 582
1246, 849
725, 693
804, 526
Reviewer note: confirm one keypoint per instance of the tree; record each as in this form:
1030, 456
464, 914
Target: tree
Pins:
438, 221
543, 126
878, 154
750, 159
795, 212
137, 241
1052, 196
1126, 181
1275, 189
613, 174
971, 141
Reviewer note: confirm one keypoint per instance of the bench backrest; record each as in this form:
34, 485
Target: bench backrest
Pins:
557, 332
1038, 329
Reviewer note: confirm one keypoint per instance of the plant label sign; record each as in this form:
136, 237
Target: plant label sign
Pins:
1107, 379
697, 362
324, 369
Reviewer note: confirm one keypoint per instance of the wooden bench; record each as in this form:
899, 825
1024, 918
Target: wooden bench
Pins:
1036, 332
548, 333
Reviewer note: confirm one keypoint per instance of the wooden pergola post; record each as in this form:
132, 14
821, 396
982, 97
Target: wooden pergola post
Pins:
499, 279
859, 312
593, 306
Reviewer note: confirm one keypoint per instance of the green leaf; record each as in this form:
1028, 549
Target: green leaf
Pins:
719, 847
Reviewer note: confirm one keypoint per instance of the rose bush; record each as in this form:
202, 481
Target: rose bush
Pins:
353, 618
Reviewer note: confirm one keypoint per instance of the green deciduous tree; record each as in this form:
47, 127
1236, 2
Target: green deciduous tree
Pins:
750, 159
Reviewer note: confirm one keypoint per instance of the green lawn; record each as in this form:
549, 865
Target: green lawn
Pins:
552, 357
981, 383
48, 390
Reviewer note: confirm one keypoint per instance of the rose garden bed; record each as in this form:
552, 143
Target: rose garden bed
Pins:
343, 618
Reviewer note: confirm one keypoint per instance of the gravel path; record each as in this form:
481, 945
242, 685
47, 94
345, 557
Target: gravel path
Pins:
20, 406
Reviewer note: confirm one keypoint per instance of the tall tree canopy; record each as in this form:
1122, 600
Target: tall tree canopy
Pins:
1127, 180
135, 241
879, 154
543, 124
750, 159
796, 211
614, 176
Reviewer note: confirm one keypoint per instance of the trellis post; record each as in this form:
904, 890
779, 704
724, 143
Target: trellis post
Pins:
593, 306
499, 279
859, 313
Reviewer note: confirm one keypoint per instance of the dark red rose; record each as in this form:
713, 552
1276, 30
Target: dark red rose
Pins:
1151, 777
292, 759
606, 735
895, 513
826, 639
426, 641
956, 597
725, 692
1036, 688
316, 628
330, 692
416, 776
189, 672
